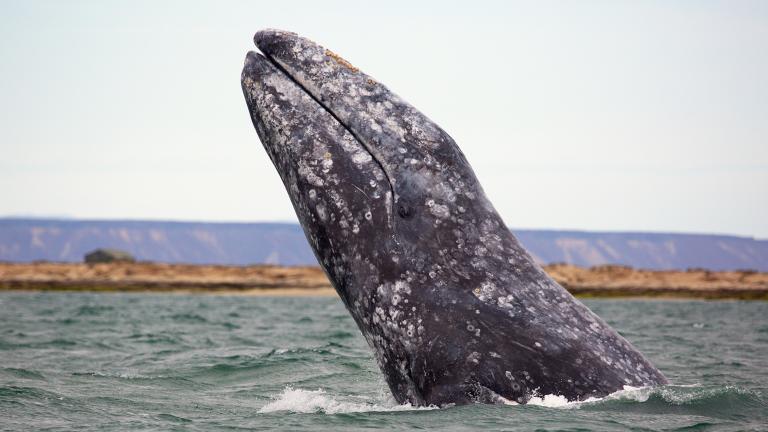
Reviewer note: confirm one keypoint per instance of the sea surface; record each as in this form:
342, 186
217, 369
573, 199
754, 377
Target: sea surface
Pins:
198, 362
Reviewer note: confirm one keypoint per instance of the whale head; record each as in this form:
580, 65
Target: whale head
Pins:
370, 177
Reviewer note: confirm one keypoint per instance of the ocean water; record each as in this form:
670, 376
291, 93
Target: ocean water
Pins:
196, 362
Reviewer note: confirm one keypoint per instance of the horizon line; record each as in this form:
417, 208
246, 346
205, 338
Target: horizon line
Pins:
284, 222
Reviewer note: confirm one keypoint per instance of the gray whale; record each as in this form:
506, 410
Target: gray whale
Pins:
453, 307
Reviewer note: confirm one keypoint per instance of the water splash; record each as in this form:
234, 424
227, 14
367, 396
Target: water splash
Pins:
318, 401
558, 401
727, 402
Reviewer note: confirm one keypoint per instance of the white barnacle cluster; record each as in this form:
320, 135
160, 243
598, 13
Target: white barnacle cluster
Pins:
486, 292
489, 293
327, 162
393, 126
472, 328
444, 192
375, 127
395, 316
321, 212
309, 174
490, 238
361, 157
422, 131
394, 293
439, 211
505, 301
402, 286
474, 357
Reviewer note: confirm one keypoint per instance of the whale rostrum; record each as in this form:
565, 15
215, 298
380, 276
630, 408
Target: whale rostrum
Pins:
453, 307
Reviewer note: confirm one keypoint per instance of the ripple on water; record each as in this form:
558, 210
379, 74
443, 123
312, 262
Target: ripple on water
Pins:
135, 377
189, 318
726, 402
22, 374
94, 310
172, 418
12, 392
155, 338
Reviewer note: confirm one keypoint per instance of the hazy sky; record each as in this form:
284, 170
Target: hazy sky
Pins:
649, 116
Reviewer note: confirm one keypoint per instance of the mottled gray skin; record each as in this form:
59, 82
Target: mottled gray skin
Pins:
455, 310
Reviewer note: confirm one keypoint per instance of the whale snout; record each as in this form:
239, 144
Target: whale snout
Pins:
307, 144
255, 68
339, 191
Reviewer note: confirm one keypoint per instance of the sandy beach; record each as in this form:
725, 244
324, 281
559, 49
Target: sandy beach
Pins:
600, 281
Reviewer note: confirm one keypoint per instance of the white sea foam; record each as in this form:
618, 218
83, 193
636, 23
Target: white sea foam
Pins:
125, 375
318, 401
638, 394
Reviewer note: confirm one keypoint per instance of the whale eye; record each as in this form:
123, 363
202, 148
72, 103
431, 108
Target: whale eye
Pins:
405, 211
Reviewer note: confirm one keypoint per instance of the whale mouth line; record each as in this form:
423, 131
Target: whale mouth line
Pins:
359, 140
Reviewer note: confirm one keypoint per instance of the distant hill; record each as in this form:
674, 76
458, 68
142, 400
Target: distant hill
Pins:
172, 242
24, 240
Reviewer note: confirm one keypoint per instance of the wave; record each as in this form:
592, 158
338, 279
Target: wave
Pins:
723, 402
22, 373
318, 401
129, 376
93, 310
122, 375
713, 402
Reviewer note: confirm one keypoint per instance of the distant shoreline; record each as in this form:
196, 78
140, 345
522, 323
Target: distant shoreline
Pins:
266, 280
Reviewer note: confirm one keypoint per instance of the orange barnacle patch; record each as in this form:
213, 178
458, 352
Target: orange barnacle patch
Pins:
340, 60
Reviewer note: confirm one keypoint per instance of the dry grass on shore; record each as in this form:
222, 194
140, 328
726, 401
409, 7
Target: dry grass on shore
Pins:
601, 281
